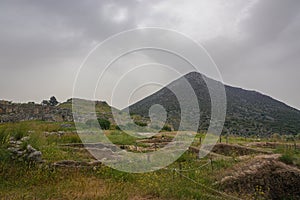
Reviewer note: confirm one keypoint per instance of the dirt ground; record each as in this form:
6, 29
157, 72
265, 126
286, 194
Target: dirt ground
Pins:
263, 176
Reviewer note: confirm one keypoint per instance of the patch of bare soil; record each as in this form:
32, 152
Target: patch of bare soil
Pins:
202, 152
234, 150
263, 176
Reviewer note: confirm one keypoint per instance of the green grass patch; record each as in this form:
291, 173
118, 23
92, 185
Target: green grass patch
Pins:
121, 138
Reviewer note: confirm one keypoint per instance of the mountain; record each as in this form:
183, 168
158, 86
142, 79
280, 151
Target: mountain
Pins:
248, 112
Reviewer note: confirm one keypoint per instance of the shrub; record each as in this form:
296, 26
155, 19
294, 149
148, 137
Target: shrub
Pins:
287, 158
104, 123
166, 128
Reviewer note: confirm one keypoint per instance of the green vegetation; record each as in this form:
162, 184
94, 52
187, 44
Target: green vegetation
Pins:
102, 183
121, 138
248, 112
289, 154
287, 159
104, 123
143, 124
20, 180
166, 128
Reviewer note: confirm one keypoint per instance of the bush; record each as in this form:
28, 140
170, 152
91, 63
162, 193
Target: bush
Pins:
104, 123
287, 159
166, 128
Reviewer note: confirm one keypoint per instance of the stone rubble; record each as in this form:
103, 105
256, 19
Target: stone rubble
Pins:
14, 112
21, 153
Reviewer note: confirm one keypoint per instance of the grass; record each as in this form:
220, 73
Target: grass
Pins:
25, 181
287, 159
121, 138
289, 155
103, 183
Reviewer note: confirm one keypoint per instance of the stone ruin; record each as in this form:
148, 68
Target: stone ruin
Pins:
21, 151
13, 112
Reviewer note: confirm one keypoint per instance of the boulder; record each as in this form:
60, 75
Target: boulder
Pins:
30, 149
35, 156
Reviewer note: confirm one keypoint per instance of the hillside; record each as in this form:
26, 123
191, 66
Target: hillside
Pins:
15, 112
248, 112
102, 109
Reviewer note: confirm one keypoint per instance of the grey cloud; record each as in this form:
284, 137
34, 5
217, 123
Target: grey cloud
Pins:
269, 18
44, 42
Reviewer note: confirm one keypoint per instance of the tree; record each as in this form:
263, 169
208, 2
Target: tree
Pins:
53, 101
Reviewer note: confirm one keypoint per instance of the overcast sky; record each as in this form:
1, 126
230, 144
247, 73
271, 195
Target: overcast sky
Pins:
255, 43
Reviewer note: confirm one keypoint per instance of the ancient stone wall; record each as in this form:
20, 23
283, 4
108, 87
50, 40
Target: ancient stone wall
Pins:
12, 112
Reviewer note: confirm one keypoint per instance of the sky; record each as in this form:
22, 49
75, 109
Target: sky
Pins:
254, 43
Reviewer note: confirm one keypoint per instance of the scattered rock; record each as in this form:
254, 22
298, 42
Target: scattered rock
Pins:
31, 132
19, 142
30, 149
35, 156
66, 125
76, 164
59, 133
13, 150
21, 154
24, 139
98, 145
